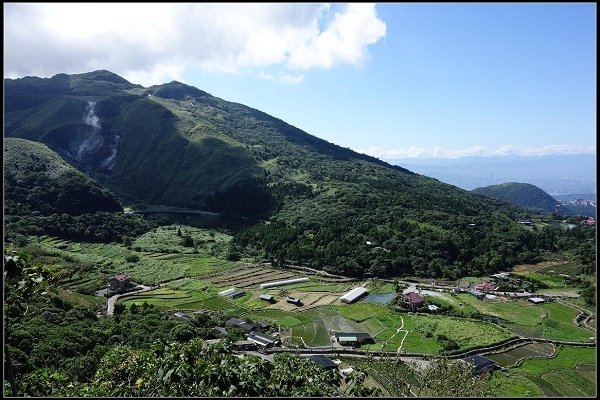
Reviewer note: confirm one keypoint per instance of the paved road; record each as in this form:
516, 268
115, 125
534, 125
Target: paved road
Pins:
110, 308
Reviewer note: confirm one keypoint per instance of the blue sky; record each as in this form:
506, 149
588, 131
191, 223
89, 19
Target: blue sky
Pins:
394, 80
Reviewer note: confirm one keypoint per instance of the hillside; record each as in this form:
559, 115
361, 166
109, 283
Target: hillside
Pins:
520, 194
38, 180
329, 207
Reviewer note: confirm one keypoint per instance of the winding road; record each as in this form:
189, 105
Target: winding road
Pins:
110, 305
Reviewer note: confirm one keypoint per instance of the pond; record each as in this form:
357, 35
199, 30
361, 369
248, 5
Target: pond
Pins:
382, 298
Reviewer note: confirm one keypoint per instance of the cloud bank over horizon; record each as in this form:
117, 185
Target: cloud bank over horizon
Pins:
155, 43
474, 151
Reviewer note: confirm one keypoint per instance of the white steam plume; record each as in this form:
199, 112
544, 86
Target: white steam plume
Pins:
91, 118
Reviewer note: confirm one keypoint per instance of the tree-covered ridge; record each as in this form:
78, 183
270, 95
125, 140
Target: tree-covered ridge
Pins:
177, 145
520, 194
38, 180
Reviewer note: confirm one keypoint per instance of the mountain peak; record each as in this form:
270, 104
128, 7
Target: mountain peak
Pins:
104, 75
176, 90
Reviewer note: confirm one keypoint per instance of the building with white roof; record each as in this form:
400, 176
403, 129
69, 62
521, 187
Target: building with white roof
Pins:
354, 295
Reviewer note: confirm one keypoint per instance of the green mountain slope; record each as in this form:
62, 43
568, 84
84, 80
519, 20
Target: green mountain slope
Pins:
328, 206
520, 194
37, 179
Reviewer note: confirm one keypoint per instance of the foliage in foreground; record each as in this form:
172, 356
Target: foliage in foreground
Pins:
440, 378
196, 368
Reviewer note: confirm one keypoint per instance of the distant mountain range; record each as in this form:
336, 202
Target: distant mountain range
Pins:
555, 174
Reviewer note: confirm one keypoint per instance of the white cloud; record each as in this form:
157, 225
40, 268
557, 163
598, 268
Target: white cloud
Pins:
150, 43
477, 150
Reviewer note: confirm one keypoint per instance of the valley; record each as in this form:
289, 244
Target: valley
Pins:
507, 330
157, 235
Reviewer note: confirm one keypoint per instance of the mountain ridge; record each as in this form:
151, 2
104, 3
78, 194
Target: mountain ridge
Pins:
324, 202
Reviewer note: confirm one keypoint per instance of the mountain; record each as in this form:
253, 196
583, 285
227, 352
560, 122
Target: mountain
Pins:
556, 174
327, 206
520, 194
38, 180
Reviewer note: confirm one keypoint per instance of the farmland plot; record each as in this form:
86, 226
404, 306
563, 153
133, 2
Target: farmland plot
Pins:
532, 350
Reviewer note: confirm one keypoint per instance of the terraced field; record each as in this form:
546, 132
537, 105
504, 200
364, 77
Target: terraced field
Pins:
532, 350
105, 260
572, 373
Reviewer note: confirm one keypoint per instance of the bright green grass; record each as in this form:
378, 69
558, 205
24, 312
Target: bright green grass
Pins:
361, 311
313, 333
278, 317
380, 288
553, 320
423, 328
514, 386
550, 280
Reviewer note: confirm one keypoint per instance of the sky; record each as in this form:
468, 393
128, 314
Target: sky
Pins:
391, 80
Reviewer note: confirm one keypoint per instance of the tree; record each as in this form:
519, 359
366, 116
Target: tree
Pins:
187, 241
198, 369
440, 378
22, 283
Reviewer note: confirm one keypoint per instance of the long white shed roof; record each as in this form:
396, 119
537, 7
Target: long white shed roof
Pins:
354, 294
282, 283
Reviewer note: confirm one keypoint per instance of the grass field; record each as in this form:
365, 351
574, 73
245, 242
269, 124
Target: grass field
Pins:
418, 332
550, 320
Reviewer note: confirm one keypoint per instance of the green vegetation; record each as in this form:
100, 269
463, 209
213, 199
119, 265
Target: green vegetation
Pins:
440, 378
325, 203
170, 239
38, 180
550, 320
520, 194
570, 374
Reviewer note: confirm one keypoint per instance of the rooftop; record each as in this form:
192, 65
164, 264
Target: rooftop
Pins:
480, 363
323, 361
413, 297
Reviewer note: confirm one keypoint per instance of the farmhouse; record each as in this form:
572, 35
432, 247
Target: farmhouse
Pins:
354, 295
267, 297
536, 300
480, 364
413, 300
261, 339
295, 301
282, 283
119, 281
486, 286
323, 361
353, 338
240, 324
